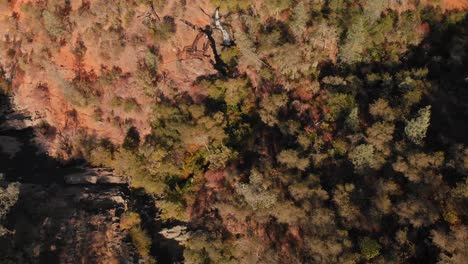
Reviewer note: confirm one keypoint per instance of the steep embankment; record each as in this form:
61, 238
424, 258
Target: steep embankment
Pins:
82, 65
68, 213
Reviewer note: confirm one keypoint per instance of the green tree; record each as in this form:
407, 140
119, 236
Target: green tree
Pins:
416, 128
355, 42
379, 135
270, 106
257, 193
299, 19
369, 248
339, 103
381, 109
290, 158
249, 58
363, 156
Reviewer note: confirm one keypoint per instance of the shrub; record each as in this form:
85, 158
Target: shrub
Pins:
276, 6
97, 114
232, 5
461, 190
230, 56
141, 241
151, 61
131, 105
129, 220
101, 156
172, 210
5, 85
116, 101
53, 24
164, 29
369, 248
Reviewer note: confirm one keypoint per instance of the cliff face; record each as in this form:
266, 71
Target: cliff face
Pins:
98, 68
54, 224
78, 64
56, 213
51, 220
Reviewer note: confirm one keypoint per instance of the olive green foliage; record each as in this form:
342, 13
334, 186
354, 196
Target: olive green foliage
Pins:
375, 25
310, 135
141, 241
309, 146
369, 248
300, 19
230, 56
352, 120
163, 30
339, 104
292, 62
172, 210
129, 220
234, 5
204, 249
219, 156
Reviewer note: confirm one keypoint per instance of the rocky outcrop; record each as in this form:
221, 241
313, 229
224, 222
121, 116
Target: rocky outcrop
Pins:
67, 213
70, 225
49, 221
94, 176
178, 233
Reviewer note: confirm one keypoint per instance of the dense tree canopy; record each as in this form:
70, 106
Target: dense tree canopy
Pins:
336, 135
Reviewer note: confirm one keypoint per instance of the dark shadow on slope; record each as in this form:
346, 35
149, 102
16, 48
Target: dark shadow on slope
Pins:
166, 251
54, 222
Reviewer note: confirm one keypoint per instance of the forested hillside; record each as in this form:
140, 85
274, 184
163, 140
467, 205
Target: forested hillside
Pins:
278, 131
